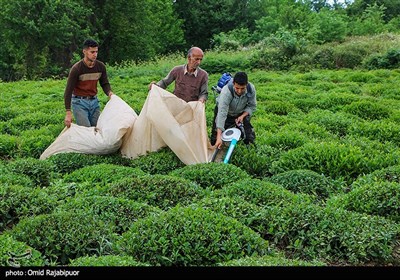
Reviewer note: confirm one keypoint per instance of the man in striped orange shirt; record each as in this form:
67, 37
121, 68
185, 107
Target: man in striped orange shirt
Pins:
81, 89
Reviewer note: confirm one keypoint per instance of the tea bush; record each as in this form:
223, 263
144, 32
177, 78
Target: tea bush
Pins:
8, 178
102, 174
118, 211
69, 162
162, 161
336, 123
8, 146
190, 237
39, 171
389, 174
270, 260
333, 159
255, 160
280, 107
162, 191
264, 193
333, 235
381, 130
286, 140
307, 181
368, 110
110, 260
235, 207
17, 254
377, 198
64, 236
17, 202
211, 175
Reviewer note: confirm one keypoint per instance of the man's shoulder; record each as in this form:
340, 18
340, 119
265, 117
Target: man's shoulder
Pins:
202, 71
77, 64
100, 64
178, 68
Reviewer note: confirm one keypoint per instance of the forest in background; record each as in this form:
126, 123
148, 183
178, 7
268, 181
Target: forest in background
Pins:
42, 38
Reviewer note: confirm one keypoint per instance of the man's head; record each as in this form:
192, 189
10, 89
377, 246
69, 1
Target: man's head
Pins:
90, 50
194, 56
240, 82
90, 43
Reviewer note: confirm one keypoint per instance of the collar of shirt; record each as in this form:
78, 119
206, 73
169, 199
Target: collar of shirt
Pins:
186, 71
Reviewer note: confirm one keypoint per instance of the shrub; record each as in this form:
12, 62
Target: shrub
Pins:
8, 146
388, 60
333, 159
336, 123
377, 198
368, 110
102, 174
162, 191
69, 162
8, 178
264, 193
286, 140
235, 207
210, 175
118, 211
32, 121
62, 191
33, 146
39, 171
337, 236
307, 181
389, 174
110, 260
280, 107
189, 237
17, 202
256, 160
159, 162
270, 260
17, 254
64, 236
381, 130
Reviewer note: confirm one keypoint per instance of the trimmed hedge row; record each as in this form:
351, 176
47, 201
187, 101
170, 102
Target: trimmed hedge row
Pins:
190, 237
17, 202
118, 211
162, 191
110, 260
380, 198
307, 182
211, 175
102, 174
17, 254
64, 236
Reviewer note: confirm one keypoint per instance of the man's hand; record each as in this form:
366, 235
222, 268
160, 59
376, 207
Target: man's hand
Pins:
218, 142
109, 94
68, 118
151, 84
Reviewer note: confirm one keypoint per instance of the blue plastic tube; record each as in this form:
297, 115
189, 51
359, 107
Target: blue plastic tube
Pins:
230, 150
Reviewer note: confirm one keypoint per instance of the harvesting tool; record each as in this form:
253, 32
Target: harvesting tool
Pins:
232, 136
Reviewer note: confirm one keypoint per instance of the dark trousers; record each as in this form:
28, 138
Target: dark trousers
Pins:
249, 136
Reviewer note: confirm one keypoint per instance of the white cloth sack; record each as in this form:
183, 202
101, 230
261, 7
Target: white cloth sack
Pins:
167, 120
114, 121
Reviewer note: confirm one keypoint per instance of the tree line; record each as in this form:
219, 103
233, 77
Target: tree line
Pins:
43, 38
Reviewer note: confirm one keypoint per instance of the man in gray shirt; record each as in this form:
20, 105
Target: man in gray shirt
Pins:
191, 82
235, 106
